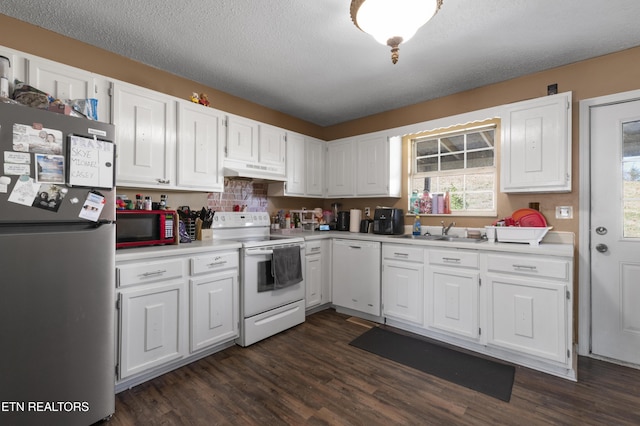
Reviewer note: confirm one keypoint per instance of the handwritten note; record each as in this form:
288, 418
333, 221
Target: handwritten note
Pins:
91, 162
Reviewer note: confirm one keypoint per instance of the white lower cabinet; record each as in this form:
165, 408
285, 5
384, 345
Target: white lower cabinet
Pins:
214, 307
453, 292
171, 309
512, 306
313, 273
402, 283
152, 321
529, 307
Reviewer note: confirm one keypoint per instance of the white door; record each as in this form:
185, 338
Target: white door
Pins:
615, 231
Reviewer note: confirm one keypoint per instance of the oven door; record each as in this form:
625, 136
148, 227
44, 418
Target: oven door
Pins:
258, 292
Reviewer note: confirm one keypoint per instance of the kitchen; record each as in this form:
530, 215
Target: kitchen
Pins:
36, 41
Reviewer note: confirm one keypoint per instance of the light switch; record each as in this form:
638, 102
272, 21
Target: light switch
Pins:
564, 212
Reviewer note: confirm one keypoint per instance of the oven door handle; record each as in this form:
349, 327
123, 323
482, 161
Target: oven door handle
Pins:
257, 252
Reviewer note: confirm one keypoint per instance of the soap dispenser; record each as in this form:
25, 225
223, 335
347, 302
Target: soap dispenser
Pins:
417, 226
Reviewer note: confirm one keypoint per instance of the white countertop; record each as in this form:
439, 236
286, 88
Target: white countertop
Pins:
556, 244
195, 247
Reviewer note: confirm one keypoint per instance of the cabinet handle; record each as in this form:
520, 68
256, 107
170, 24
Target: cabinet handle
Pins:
355, 247
222, 262
164, 181
158, 272
527, 267
401, 254
315, 249
451, 259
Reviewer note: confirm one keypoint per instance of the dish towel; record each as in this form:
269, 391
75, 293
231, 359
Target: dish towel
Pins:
287, 266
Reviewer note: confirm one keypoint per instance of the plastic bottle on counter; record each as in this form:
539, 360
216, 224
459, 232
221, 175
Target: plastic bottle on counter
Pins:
417, 226
287, 221
163, 202
139, 202
147, 203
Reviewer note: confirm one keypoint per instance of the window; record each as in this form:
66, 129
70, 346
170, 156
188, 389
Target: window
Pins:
459, 162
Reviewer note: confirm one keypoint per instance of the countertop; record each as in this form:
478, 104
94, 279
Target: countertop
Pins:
554, 244
195, 247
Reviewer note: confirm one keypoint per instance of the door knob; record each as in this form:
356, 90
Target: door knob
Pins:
602, 248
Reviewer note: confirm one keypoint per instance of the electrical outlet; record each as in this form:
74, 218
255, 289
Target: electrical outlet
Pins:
367, 211
564, 212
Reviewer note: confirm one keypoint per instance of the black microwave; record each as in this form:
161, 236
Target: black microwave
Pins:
138, 228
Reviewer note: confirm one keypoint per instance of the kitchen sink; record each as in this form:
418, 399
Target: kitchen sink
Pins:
451, 238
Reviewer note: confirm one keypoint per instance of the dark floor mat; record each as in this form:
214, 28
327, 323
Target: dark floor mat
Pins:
480, 374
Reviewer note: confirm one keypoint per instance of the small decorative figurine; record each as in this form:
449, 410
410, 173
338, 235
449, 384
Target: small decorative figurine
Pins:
203, 99
194, 98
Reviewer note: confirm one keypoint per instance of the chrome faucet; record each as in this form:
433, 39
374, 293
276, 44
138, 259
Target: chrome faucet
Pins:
445, 229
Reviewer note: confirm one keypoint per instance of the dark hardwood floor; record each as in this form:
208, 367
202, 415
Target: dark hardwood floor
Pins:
309, 375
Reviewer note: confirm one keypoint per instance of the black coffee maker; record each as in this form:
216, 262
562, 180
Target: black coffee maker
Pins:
388, 221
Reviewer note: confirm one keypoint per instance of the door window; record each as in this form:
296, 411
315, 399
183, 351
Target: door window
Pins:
631, 178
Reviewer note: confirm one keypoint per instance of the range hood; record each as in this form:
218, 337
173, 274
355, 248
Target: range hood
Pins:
254, 172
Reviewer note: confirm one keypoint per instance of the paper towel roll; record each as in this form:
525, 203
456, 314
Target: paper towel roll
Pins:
354, 220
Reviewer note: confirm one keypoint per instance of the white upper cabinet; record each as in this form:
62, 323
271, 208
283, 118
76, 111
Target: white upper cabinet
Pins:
314, 166
65, 82
305, 168
145, 127
272, 145
296, 179
371, 177
255, 149
242, 139
536, 145
364, 166
200, 144
340, 168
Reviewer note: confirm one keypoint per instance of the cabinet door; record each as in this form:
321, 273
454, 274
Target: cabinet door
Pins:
315, 153
214, 309
145, 125
200, 143
528, 316
272, 146
151, 326
313, 280
65, 82
536, 145
295, 165
242, 139
453, 301
402, 291
372, 166
340, 168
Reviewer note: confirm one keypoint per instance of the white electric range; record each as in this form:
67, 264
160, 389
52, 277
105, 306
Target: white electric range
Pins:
265, 309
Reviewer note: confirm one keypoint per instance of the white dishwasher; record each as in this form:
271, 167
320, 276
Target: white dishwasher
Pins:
356, 275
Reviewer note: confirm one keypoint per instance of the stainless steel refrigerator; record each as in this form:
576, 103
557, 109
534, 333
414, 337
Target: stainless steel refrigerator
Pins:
57, 268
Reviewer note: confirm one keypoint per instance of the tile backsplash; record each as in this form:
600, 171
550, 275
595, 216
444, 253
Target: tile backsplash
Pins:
239, 192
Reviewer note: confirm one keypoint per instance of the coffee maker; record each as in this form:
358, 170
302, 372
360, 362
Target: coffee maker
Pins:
388, 221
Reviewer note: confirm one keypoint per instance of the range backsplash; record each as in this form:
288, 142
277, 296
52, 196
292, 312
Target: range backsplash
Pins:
238, 192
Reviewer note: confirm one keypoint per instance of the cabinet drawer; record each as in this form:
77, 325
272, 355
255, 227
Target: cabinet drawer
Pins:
402, 252
312, 247
529, 265
147, 272
213, 262
465, 259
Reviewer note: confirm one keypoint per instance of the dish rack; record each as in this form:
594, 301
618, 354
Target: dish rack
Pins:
308, 219
520, 234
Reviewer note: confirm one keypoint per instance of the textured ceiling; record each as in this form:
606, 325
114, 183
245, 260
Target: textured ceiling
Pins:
307, 59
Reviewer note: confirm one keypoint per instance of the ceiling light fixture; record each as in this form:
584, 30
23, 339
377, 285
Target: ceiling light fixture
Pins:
392, 22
